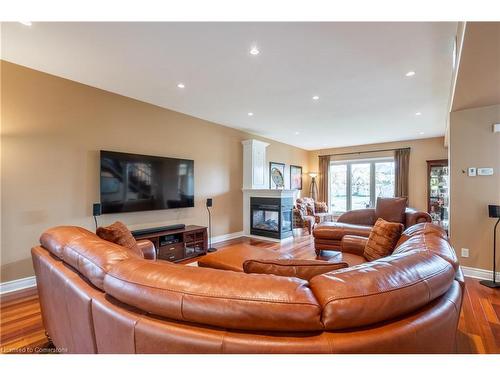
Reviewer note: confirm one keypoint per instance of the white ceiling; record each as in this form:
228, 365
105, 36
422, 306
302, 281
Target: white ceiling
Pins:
357, 70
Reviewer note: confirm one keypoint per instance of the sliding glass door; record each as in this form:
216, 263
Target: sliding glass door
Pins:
360, 186
356, 184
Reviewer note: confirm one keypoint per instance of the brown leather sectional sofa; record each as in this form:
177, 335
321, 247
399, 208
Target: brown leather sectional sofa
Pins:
98, 297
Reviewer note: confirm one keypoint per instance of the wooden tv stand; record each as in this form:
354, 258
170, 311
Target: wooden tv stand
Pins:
178, 244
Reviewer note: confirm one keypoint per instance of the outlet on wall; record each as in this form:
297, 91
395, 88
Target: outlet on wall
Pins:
465, 252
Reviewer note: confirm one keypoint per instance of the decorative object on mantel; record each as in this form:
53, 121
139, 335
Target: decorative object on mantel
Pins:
276, 173
313, 189
295, 177
493, 212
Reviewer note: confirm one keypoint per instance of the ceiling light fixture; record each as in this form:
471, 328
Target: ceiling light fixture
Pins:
421, 133
181, 85
25, 23
250, 114
411, 73
418, 113
315, 97
297, 133
254, 51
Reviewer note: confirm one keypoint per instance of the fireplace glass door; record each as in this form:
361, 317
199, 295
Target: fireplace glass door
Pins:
266, 220
286, 221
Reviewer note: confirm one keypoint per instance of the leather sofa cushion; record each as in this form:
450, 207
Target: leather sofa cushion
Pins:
119, 234
353, 244
422, 228
381, 290
335, 231
391, 209
301, 268
83, 250
430, 242
54, 239
218, 298
350, 259
383, 239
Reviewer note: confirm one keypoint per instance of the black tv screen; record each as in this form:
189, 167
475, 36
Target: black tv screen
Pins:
131, 182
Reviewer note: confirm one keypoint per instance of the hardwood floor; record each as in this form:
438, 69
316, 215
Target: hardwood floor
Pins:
21, 327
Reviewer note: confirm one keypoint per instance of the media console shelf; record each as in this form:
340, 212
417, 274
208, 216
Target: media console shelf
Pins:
178, 244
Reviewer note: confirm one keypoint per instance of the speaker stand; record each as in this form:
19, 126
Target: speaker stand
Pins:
493, 283
490, 283
210, 248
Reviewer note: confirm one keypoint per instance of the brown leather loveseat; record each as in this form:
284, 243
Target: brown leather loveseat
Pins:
329, 235
98, 297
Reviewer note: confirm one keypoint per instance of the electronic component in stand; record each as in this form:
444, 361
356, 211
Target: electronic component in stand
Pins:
168, 240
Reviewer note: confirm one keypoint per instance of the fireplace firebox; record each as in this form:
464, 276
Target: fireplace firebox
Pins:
271, 217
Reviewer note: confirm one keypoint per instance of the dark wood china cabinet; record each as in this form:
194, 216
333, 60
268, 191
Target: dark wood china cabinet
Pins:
438, 191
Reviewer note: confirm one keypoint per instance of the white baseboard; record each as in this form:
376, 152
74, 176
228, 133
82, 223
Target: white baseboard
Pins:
16, 285
263, 238
478, 273
225, 237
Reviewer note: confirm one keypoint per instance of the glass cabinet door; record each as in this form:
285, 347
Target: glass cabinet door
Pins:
438, 193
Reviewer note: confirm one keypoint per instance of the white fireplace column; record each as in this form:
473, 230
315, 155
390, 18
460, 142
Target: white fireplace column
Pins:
256, 179
254, 164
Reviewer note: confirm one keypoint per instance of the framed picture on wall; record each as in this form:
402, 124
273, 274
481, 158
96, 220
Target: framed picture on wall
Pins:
295, 177
276, 175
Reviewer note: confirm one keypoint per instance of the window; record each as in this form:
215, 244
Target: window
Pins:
356, 184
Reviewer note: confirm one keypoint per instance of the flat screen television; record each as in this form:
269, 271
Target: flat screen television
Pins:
131, 182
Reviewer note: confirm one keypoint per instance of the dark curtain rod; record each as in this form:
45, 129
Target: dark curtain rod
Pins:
367, 152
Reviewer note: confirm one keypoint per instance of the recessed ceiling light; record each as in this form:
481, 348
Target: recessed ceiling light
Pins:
418, 113
250, 113
411, 73
254, 51
297, 133
315, 97
181, 85
25, 23
421, 133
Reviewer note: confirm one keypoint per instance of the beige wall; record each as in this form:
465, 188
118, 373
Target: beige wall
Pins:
473, 144
421, 151
52, 130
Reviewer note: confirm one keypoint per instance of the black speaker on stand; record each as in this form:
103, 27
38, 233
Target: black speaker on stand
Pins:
96, 211
210, 248
493, 212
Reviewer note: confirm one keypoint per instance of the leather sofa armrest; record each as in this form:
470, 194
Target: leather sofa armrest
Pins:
459, 276
301, 268
353, 244
414, 217
147, 248
364, 216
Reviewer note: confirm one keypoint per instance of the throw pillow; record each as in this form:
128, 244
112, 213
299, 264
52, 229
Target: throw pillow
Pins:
320, 207
383, 239
391, 209
119, 234
301, 268
302, 208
